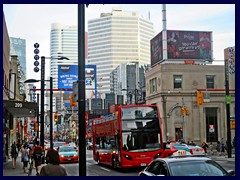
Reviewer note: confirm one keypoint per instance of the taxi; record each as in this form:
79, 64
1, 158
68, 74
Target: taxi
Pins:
67, 154
182, 163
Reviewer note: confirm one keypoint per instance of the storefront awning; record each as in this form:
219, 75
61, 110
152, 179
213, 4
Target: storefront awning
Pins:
20, 109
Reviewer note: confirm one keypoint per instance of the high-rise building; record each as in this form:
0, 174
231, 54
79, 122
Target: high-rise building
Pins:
64, 42
117, 38
18, 48
128, 80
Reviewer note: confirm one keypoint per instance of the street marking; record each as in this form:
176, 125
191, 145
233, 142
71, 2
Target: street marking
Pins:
105, 169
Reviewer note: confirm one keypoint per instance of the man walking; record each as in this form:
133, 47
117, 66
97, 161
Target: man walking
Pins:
37, 156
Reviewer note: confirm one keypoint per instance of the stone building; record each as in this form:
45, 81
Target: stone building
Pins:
175, 86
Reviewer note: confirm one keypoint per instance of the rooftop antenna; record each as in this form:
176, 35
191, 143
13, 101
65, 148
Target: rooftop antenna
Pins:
164, 31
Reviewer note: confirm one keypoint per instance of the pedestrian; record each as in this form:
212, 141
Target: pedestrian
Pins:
222, 146
25, 158
211, 148
205, 146
14, 154
53, 168
218, 147
37, 156
192, 143
233, 142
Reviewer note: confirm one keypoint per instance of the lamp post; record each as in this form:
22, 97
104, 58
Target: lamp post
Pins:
38, 116
42, 92
183, 128
81, 94
42, 112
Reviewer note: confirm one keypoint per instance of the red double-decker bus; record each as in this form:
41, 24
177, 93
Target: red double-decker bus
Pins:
130, 137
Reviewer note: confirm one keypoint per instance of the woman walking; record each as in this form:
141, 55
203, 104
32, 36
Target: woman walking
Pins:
14, 154
25, 158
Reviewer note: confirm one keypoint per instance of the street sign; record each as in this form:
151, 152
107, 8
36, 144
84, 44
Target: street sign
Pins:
228, 99
36, 57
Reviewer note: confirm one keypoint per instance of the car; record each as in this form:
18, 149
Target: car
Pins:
196, 150
177, 146
183, 164
89, 145
193, 149
56, 144
67, 154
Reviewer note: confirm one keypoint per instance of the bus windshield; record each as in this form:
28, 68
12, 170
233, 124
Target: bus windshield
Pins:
140, 129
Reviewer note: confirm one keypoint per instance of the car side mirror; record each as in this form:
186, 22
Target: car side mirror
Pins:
231, 172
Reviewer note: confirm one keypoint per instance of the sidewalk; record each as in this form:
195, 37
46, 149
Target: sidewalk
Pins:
9, 171
216, 157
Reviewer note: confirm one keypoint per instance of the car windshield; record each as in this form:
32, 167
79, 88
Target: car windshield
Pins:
66, 149
196, 168
57, 144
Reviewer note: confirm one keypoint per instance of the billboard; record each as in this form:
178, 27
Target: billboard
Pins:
182, 45
156, 49
189, 45
67, 74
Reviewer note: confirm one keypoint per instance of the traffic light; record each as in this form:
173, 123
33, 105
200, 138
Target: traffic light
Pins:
56, 117
72, 103
187, 111
183, 111
59, 121
200, 98
35, 126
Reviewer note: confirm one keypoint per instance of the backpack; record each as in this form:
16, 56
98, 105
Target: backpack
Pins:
37, 152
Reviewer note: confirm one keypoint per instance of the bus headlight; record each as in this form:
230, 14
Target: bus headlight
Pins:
127, 157
157, 155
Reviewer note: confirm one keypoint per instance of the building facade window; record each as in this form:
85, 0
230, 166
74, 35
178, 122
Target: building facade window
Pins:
211, 124
177, 81
153, 85
210, 81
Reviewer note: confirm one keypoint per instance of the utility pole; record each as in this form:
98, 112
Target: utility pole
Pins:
38, 116
81, 90
228, 101
42, 100
183, 129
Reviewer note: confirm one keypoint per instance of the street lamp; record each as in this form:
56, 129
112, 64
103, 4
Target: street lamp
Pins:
42, 112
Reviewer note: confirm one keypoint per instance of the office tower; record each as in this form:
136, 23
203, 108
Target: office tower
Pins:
117, 38
64, 42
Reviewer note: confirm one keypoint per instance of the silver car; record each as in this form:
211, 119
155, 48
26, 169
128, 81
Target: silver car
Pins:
185, 166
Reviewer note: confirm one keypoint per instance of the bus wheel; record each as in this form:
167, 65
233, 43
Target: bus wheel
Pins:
114, 163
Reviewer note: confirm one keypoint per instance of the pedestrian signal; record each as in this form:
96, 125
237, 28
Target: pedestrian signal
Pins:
72, 103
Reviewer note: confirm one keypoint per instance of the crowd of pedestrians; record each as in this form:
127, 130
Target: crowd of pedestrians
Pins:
221, 146
36, 154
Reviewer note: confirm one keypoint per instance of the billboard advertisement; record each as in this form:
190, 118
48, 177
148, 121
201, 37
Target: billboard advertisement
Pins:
156, 49
189, 45
67, 74
185, 45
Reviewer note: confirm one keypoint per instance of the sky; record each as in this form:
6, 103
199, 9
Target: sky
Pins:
32, 22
